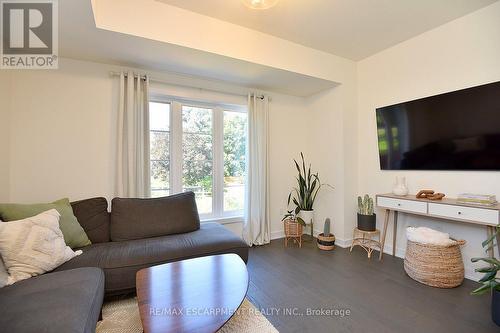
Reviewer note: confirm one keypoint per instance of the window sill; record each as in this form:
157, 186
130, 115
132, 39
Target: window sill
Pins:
224, 220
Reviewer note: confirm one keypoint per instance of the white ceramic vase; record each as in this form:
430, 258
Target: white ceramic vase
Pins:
307, 216
400, 188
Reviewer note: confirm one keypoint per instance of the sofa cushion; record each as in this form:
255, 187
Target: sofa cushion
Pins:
121, 260
74, 235
67, 301
93, 216
33, 246
145, 218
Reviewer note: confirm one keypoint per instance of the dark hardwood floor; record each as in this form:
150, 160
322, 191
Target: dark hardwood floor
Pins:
379, 295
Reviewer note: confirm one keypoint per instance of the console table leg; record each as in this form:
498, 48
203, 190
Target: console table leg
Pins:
490, 232
382, 243
394, 233
498, 240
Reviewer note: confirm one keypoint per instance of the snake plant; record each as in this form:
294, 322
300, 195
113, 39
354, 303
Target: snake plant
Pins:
308, 186
489, 280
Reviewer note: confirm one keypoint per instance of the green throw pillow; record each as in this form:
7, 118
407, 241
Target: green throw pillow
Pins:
73, 233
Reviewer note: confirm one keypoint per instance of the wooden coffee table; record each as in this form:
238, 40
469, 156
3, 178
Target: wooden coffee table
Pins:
194, 295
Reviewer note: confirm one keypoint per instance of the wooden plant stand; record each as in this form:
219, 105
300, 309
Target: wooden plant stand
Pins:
293, 230
368, 240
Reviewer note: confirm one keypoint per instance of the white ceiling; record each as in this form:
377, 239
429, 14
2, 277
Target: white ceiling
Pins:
350, 28
80, 39
354, 29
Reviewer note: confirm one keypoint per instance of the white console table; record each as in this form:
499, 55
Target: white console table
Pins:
448, 209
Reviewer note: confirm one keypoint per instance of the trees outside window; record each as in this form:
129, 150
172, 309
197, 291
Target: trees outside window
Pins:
235, 126
201, 148
159, 120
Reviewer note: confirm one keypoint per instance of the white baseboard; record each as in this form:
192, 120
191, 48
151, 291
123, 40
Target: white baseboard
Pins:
277, 234
343, 243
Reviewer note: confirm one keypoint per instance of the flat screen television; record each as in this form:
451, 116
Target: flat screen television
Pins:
459, 130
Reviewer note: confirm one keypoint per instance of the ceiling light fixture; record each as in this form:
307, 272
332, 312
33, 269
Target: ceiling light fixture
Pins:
260, 4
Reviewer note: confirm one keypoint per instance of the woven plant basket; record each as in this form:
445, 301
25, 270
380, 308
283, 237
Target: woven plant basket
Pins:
294, 231
326, 243
435, 265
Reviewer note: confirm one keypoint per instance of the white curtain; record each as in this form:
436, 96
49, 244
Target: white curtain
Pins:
256, 228
132, 169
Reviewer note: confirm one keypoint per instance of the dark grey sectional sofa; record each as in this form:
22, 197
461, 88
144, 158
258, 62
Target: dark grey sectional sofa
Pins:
137, 233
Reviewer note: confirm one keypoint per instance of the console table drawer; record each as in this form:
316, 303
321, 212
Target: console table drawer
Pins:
404, 205
488, 216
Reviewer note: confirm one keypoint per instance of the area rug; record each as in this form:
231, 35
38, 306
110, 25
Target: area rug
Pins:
122, 316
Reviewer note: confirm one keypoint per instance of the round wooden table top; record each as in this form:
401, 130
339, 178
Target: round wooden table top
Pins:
193, 295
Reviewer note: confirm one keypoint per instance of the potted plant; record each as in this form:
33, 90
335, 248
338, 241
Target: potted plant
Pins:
367, 220
326, 240
304, 195
490, 281
293, 226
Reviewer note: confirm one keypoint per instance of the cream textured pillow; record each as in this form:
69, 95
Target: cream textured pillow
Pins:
33, 246
3, 273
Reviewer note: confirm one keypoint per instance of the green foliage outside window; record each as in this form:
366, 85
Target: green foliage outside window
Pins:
197, 156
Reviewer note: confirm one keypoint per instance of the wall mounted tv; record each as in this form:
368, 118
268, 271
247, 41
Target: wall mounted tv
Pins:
459, 130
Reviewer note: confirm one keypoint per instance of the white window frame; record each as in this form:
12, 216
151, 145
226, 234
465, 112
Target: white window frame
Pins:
175, 146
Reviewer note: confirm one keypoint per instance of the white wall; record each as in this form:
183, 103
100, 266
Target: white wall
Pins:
288, 124
325, 130
61, 133
63, 129
5, 91
332, 145
460, 54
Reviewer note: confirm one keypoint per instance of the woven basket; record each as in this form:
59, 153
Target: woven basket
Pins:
293, 229
435, 265
326, 243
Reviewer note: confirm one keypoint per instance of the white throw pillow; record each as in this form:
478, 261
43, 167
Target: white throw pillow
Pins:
3, 273
428, 236
33, 246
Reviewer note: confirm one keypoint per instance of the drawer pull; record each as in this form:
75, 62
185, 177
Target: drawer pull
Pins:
459, 213
399, 204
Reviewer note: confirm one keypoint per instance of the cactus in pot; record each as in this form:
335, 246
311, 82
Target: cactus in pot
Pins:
326, 228
326, 240
366, 218
365, 205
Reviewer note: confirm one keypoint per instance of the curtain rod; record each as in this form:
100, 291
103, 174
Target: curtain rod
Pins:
143, 77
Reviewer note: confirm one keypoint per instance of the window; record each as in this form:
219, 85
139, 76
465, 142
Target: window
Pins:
159, 120
234, 160
197, 155
199, 147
